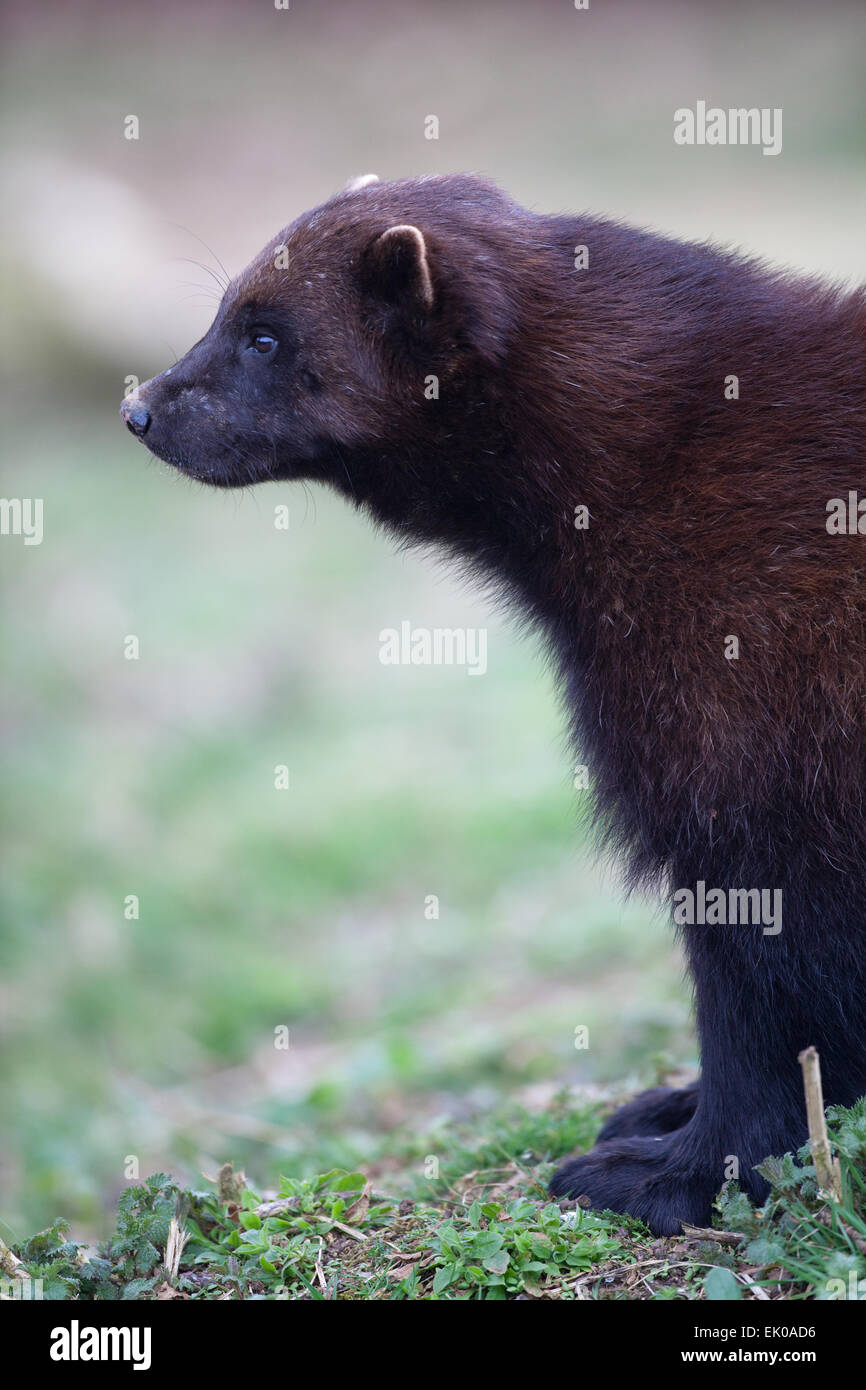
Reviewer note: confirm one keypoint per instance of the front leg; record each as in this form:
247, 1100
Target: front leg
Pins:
652, 1178
760, 1000
659, 1111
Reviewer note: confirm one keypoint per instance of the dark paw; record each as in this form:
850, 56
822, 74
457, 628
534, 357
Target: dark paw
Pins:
642, 1177
659, 1111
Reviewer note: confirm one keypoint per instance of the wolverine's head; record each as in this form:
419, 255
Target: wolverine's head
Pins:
357, 330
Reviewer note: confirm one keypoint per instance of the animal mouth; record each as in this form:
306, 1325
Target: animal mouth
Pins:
183, 465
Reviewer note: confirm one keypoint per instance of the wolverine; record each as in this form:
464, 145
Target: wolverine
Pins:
635, 440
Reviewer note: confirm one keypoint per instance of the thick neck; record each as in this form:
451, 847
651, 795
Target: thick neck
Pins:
603, 380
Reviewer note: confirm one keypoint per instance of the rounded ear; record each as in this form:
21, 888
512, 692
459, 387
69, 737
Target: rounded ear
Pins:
397, 270
360, 182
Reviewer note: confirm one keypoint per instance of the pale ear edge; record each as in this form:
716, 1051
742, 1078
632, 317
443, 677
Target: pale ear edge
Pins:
362, 181
425, 284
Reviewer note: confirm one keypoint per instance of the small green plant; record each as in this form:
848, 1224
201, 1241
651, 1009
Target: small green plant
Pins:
798, 1242
496, 1251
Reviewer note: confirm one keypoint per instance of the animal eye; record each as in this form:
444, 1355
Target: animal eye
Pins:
263, 343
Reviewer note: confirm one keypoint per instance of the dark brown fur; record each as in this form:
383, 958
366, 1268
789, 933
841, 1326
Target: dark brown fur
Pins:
604, 387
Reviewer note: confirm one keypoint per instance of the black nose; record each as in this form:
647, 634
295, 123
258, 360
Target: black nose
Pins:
137, 417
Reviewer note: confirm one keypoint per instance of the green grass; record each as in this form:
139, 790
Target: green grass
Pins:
470, 1222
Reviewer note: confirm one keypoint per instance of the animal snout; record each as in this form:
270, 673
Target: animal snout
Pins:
135, 416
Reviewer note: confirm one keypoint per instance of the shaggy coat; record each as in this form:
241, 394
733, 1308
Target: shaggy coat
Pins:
638, 441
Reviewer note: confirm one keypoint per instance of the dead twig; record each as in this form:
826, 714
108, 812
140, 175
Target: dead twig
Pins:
827, 1170
708, 1233
177, 1239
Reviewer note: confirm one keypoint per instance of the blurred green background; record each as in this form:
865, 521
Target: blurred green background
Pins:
304, 909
